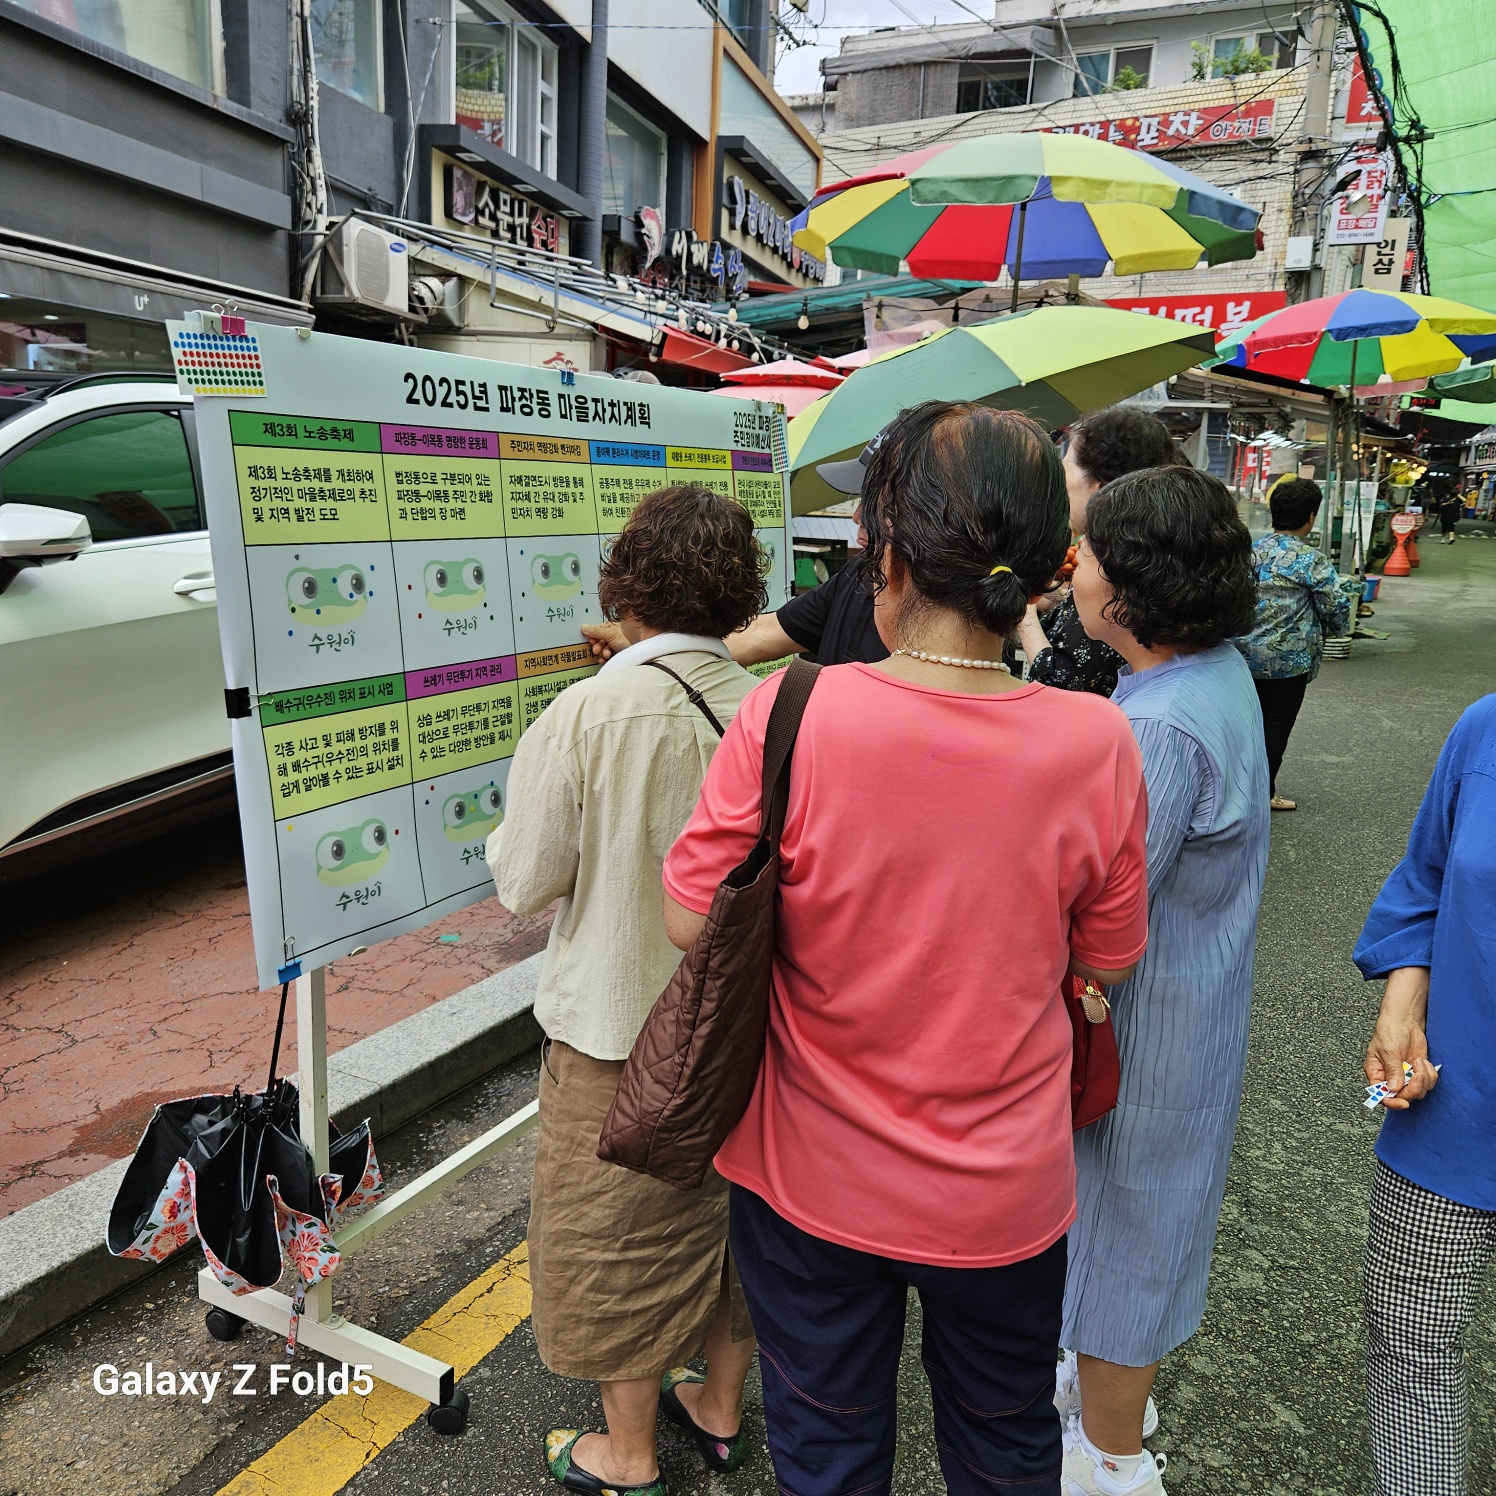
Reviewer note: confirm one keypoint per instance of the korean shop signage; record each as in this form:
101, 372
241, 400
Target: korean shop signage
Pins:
751, 215
1221, 124
1224, 313
510, 216
692, 263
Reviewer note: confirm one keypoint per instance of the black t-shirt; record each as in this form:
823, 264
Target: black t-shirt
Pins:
834, 621
1074, 660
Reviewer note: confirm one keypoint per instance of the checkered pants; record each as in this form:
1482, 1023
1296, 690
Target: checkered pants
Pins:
1425, 1257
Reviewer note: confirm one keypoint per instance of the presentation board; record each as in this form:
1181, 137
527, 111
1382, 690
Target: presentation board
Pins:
405, 546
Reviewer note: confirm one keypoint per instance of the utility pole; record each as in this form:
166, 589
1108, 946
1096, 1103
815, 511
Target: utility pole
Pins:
1314, 147
587, 239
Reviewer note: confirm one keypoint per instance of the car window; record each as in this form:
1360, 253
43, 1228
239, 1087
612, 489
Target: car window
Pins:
127, 473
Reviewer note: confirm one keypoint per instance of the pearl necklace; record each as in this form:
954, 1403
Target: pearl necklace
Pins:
933, 659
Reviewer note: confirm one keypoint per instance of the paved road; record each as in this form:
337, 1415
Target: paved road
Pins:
130, 980
1266, 1398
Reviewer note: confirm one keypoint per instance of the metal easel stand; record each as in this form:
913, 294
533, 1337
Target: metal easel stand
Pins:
322, 1329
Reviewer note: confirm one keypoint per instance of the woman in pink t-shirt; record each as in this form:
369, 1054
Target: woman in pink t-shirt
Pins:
956, 844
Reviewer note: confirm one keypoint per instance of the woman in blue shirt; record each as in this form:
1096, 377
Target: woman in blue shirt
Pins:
1165, 578
1300, 599
1433, 1201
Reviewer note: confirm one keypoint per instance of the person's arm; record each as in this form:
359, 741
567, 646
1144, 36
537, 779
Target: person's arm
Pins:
682, 925
760, 639
1110, 929
1401, 1038
1031, 636
534, 854
1330, 600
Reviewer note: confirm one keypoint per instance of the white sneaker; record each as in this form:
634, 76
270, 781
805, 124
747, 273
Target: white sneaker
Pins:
1067, 1396
1083, 1475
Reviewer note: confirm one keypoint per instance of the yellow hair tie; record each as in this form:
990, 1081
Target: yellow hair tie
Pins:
997, 569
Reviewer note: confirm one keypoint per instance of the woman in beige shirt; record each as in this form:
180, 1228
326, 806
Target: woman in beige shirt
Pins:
630, 1276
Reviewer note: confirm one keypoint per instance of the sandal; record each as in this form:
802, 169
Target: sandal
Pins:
721, 1455
1279, 803
558, 1447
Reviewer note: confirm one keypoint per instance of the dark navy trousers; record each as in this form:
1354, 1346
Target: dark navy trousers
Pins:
830, 1326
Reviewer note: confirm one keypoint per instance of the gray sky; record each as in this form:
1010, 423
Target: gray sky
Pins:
828, 20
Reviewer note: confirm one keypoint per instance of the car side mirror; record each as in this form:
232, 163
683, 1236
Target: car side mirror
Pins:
32, 533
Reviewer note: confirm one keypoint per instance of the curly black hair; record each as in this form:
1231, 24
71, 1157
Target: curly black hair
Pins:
1294, 503
1121, 439
972, 503
1177, 556
687, 562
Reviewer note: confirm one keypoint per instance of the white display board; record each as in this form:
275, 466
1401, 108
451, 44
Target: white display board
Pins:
405, 546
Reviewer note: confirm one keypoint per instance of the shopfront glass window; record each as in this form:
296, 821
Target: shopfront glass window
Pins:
1093, 71
745, 111
505, 84
345, 38
127, 474
634, 163
180, 37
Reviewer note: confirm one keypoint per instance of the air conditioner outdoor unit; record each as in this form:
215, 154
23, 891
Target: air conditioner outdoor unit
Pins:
364, 266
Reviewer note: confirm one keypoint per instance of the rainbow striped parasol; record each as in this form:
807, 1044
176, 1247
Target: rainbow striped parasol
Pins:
1358, 336
1040, 204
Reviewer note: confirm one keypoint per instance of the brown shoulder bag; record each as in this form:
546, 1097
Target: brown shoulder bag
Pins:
689, 1076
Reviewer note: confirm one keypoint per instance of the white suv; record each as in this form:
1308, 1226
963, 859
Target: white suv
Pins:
112, 721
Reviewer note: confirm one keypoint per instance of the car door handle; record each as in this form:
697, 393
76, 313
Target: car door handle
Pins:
193, 586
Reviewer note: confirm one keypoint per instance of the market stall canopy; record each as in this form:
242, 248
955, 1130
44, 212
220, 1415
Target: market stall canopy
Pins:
1476, 386
1053, 363
793, 397
1038, 204
1440, 92
818, 374
1359, 336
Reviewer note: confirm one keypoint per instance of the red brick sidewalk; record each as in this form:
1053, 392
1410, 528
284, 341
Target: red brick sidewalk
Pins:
130, 980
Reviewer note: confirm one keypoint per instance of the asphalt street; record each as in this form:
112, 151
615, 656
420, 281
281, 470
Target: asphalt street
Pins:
1265, 1398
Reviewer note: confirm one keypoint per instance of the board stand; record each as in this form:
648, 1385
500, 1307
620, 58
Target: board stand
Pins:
322, 1329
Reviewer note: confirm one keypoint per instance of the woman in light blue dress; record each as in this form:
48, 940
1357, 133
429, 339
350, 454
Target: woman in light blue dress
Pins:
1165, 577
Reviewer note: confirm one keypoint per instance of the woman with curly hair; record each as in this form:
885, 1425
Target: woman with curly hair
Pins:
630, 1277
1165, 577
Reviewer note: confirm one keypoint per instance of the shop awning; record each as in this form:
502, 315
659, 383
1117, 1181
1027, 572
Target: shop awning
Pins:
689, 351
68, 276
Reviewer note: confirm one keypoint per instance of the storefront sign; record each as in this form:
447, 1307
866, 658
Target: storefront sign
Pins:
750, 214
694, 261
1226, 313
508, 215
1218, 125
1358, 214
1361, 109
1382, 269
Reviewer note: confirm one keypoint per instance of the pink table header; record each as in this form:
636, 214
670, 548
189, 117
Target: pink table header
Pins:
465, 677
437, 441
753, 462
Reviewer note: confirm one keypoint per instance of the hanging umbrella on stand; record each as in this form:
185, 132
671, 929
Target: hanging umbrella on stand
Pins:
1051, 362
1362, 340
1038, 204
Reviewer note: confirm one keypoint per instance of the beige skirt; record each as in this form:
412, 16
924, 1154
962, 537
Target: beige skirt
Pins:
625, 1272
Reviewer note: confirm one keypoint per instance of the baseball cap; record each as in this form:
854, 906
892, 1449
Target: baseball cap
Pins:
846, 477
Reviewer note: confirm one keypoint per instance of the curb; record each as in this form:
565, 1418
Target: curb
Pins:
53, 1261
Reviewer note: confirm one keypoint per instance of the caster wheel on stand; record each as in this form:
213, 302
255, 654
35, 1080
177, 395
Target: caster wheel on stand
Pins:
222, 1325
449, 1417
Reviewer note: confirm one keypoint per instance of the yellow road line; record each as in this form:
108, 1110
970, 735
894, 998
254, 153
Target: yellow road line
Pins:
325, 1451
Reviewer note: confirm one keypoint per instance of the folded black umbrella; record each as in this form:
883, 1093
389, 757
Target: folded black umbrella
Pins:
233, 1171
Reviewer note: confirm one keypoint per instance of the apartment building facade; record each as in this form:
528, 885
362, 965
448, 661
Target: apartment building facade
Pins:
195, 152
